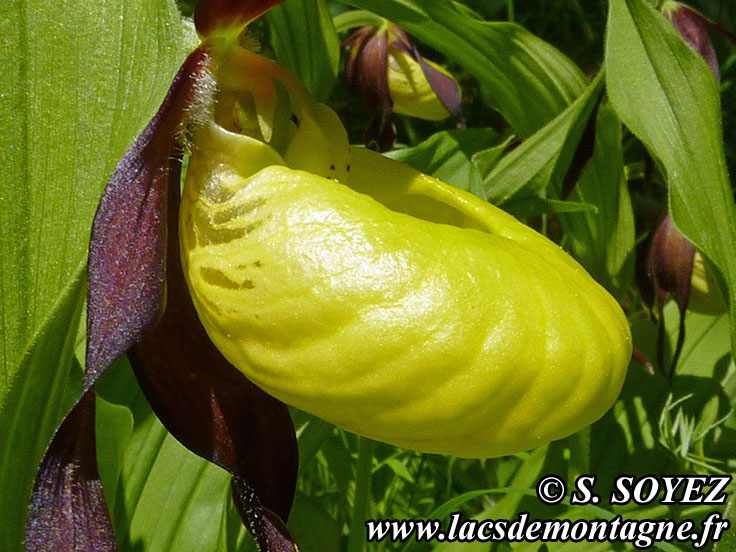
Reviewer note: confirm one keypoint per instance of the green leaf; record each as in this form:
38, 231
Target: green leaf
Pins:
486, 159
311, 432
304, 39
314, 529
667, 96
535, 206
728, 542
78, 84
448, 156
522, 484
545, 157
527, 79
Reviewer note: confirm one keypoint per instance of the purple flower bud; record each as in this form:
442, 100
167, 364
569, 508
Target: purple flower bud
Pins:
671, 268
693, 27
385, 68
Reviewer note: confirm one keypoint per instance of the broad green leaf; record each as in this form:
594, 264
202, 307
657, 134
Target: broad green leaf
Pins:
304, 39
603, 240
528, 80
486, 159
448, 156
78, 85
667, 96
113, 430
544, 157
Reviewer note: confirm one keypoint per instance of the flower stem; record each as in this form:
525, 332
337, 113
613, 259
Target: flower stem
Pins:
510, 10
363, 474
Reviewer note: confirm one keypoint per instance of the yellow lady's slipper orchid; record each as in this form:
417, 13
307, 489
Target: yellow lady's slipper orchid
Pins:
377, 297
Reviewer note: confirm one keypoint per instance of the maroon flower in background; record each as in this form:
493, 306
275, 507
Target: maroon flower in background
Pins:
384, 67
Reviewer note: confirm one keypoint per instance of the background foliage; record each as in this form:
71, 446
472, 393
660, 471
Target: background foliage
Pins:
81, 81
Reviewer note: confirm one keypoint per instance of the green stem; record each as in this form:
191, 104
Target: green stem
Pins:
579, 445
357, 18
363, 474
510, 10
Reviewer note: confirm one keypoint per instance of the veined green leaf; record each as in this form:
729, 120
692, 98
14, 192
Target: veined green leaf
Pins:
666, 94
448, 156
304, 39
77, 86
535, 206
529, 81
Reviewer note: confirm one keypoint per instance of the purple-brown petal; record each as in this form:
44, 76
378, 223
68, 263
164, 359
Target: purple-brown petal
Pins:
269, 532
68, 511
367, 74
371, 80
126, 274
354, 43
445, 87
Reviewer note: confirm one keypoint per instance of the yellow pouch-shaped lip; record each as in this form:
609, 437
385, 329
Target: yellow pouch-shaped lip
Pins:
393, 305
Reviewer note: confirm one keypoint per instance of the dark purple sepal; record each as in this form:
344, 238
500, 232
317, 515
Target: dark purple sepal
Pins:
270, 533
126, 275
380, 135
68, 511
446, 89
213, 15
366, 67
212, 408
